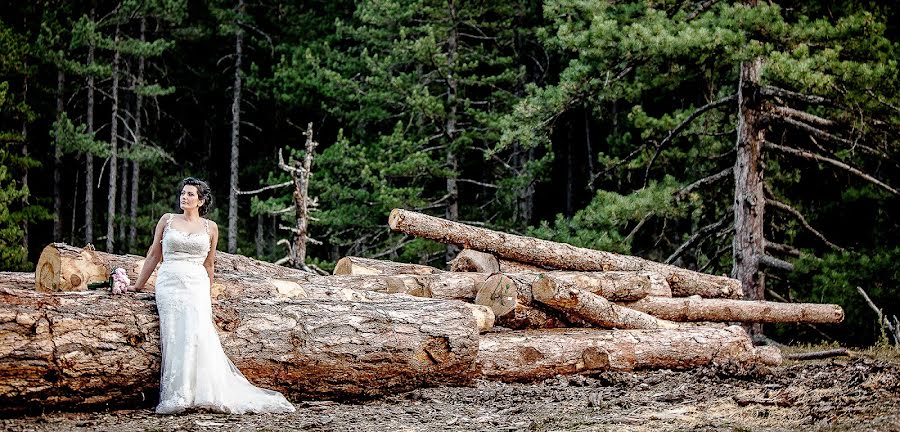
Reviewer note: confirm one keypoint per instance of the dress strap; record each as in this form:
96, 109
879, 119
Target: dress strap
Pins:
169, 220
206, 224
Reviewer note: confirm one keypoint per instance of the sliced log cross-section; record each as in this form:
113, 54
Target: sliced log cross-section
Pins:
726, 310
75, 350
351, 265
474, 261
546, 253
535, 355
595, 309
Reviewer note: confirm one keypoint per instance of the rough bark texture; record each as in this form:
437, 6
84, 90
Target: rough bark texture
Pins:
57, 157
697, 309
613, 285
595, 309
17, 280
351, 265
558, 255
510, 266
113, 152
526, 317
76, 350
474, 261
536, 355
749, 197
235, 134
68, 268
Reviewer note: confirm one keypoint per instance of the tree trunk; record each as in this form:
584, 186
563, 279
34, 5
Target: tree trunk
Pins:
470, 260
80, 350
558, 255
301, 201
57, 159
452, 210
612, 285
17, 280
135, 164
351, 265
595, 309
537, 355
727, 310
235, 135
88, 156
260, 240
510, 266
113, 148
749, 198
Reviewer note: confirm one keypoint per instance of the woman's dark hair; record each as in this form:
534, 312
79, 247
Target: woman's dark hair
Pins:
203, 193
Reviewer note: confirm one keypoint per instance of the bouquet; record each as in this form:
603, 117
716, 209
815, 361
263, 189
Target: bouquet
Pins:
117, 283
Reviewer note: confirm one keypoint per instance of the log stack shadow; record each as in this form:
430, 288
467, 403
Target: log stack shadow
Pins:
510, 308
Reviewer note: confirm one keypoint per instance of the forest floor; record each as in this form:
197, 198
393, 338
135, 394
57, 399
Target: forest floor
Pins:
857, 393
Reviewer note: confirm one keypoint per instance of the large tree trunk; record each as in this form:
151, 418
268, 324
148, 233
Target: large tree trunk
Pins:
595, 309
80, 350
727, 310
452, 210
113, 149
558, 255
749, 197
351, 265
235, 135
57, 159
301, 201
88, 156
536, 355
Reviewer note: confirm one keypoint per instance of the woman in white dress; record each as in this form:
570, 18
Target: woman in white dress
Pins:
195, 373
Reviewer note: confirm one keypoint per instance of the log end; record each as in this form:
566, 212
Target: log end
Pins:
395, 219
499, 293
470, 260
484, 316
47, 271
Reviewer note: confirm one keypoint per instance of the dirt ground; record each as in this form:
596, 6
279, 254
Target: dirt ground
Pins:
860, 393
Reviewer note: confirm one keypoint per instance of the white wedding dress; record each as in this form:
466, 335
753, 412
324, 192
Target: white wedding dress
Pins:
196, 373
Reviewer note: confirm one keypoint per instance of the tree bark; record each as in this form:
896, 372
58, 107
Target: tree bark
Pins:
17, 280
68, 268
535, 355
235, 135
510, 266
351, 265
81, 350
749, 197
558, 255
612, 285
469, 260
452, 210
113, 148
595, 309
527, 317
57, 159
727, 310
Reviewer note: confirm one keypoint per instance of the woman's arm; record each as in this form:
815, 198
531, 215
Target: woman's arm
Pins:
154, 255
210, 262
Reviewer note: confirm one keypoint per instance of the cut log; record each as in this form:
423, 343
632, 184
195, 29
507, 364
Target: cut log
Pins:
595, 309
612, 285
546, 253
63, 268
474, 261
80, 350
535, 355
17, 280
726, 310
525, 317
351, 265
499, 293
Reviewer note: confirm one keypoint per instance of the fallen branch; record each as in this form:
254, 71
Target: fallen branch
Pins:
893, 330
840, 352
783, 206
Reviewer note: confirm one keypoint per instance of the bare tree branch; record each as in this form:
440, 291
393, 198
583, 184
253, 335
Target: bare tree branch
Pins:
782, 248
263, 189
782, 206
834, 162
802, 116
787, 94
701, 234
704, 181
816, 132
883, 320
772, 262
487, 185
672, 133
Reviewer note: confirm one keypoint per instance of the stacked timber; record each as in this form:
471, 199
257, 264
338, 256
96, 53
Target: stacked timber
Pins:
510, 308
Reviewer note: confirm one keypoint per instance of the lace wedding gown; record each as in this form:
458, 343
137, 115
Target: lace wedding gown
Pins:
196, 373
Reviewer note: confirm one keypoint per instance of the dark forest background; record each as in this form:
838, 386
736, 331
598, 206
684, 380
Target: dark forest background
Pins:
753, 139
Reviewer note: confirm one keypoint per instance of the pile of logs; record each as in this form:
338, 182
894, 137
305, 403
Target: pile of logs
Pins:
510, 308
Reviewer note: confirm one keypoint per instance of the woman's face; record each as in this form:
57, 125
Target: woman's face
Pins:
189, 198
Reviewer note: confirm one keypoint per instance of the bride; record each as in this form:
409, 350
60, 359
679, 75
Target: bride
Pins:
196, 373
